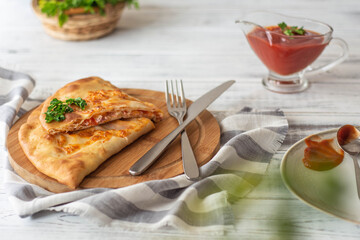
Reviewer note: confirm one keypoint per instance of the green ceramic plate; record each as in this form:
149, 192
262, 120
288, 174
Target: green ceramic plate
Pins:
333, 191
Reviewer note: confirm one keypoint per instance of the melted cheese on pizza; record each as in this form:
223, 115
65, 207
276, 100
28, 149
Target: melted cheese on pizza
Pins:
74, 141
69, 157
105, 103
112, 100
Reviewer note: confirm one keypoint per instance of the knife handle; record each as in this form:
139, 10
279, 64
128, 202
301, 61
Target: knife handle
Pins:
190, 166
149, 158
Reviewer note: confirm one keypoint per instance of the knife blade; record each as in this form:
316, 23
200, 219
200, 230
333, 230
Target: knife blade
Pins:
194, 110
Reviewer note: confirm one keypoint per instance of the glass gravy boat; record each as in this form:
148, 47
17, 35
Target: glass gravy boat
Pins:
288, 58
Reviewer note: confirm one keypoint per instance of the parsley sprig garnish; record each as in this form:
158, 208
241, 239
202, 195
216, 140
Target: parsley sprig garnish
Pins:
291, 30
58, 7
57, 109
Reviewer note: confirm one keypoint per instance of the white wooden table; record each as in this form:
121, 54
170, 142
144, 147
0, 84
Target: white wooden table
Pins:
198, 42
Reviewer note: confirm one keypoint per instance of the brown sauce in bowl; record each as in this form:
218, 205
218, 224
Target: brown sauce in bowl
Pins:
347, 134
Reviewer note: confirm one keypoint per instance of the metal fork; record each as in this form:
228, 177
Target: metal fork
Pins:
176, 105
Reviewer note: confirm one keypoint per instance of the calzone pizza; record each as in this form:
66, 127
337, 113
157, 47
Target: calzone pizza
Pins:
104, 103
69, 157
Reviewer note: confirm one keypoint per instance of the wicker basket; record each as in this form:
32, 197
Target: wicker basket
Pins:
81, 26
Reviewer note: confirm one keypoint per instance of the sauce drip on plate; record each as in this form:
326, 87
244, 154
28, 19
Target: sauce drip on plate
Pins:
321, 155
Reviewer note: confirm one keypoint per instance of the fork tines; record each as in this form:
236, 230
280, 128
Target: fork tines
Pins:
178, 99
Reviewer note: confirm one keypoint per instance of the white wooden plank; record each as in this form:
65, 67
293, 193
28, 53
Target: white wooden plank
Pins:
199, 42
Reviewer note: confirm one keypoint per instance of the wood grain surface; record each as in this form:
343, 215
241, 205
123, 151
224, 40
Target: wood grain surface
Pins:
203, 132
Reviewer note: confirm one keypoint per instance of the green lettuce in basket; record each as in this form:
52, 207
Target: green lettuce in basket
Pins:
59, 7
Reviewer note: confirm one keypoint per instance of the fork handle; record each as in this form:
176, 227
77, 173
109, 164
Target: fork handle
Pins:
190, 166
145, 161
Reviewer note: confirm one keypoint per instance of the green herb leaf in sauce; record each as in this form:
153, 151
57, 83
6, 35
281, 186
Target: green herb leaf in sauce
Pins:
57, 109
300, 31
291, 30
282, 25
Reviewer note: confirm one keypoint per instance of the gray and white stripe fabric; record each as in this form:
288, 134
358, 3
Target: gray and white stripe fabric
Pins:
249, 139
15, 87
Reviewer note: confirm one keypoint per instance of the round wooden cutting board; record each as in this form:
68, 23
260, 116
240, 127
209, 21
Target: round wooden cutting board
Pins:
204, 135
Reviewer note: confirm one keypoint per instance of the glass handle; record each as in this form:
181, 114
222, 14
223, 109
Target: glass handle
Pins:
345, 53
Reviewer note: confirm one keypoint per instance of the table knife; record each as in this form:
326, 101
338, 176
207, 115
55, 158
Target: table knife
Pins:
194, 110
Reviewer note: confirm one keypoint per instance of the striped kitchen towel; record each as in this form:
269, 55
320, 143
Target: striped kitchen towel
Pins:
248, 141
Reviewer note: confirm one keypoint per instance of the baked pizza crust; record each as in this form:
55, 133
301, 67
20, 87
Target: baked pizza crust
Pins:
69, 157
105, 103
